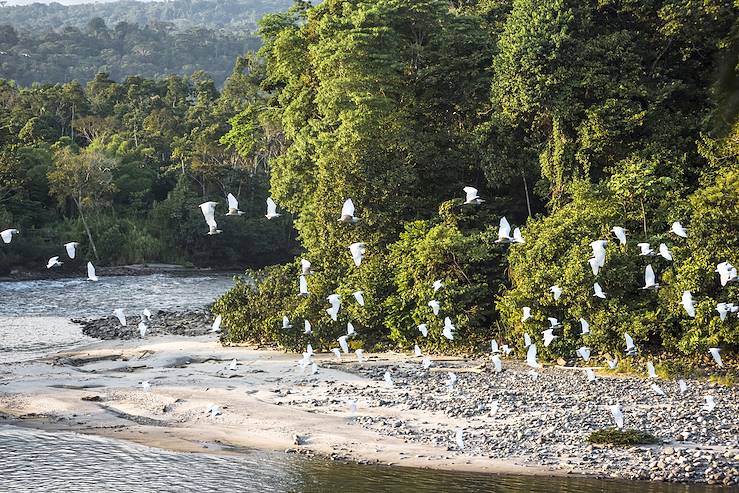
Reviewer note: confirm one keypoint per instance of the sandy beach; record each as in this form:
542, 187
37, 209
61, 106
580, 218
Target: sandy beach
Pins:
511, 423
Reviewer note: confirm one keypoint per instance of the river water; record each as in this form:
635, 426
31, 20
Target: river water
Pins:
34, 320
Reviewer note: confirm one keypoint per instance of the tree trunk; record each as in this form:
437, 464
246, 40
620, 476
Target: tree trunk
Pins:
87, 230
643, 216
526, 189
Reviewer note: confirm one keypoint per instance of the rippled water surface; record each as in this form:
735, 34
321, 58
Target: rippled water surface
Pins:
32, 460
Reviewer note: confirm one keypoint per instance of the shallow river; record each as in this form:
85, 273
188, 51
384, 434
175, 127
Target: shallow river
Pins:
34, 321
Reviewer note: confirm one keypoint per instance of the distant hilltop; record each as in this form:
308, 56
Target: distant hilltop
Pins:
237, 15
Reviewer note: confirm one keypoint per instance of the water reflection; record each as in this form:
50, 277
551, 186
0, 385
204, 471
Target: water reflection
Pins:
39, 461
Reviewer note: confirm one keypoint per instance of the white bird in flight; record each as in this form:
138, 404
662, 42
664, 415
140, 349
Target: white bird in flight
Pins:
91, 276
344, 344
687, 303
286, 322
645, 250
7, 235
584, 327
214, 410
233, 206
118, 312
335, 302
678, 229
216, 327
630, 347
658, 390
649, 278
448, 331
650, 370
506, 350
504, 231
53, 262
620, 233
517, 236
350, 330
598, 291
337, 353
531, 357
716, 356
388, 379
271, 209
710, 404
590, 374
146, 313
307, 329
584, 353
727, 273
526, 340
471, 196
459, 439
434, 306
526, 313
451, 380
556, 291
360, 355
71, 248
494, 346
618, 415
145, 385
347, 212
357, 250
665, 252
233, 364
497, 362
554, 323
303, 286
423, 328
426, 362
437, 285
683, 386
305, 267
209, 213
417, 351
359, 296
549, 337
142, 329
612, 363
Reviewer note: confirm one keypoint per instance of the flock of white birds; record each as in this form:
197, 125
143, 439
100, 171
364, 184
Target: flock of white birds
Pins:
726, 271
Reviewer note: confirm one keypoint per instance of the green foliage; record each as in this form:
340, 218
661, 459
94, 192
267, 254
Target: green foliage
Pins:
622, 438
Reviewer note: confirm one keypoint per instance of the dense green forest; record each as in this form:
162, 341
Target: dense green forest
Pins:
122, 167
240, 16
570, 117
149, 51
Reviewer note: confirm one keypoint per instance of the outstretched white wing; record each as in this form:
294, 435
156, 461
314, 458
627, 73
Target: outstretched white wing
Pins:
471, 193
648, 276
664, 251
71, 249
271, 207
348, 208
91, 272
504, 229
232, 202
531, 357
209, 213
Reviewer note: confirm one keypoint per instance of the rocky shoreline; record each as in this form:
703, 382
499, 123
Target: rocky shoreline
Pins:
183, 323
66, 272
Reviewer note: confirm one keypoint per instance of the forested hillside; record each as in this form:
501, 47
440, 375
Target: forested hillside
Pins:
570, 117
121, 167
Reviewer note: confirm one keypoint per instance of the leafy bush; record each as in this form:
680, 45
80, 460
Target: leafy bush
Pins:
622, 438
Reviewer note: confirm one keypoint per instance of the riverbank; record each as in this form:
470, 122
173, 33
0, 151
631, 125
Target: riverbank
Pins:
540, 426
109, 271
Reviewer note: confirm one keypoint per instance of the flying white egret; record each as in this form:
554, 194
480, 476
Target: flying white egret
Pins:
286, 322
426, 362
91, 276
497, 362
649, 278
518, 237
347, 212
716, 356
678, 229
213, 410
459, 439
448, 331
145, 385
307, 329
630, 347
687, 303
142, 329
594, 265
549, 337
645, 250
359, 296
727, 273
665, 252
658, 390
350, 330
233, 206
233, 364
526, 340
437, 285
344, 344
526, 313
554, 323
471, 196
650, 370
313, 369
620, 233
53, 262
303, 286
209, 213
451, 380
683, 386
337, 353
531, 357
335, 301
710, 404
216, 327
71, 248
584, 353
388, 379
118, 312
7, 235
556, 290
271, 209
423, 328
494, 408
598, 291
494, 346
612, 364
417, 351
618, 415
599, 253
506, 350
305, 267
360, 355
723, 310
590, 374
434, 306
309, 350
533, 374
357, 250
146, 313
504, 231
584, 327
352, 407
